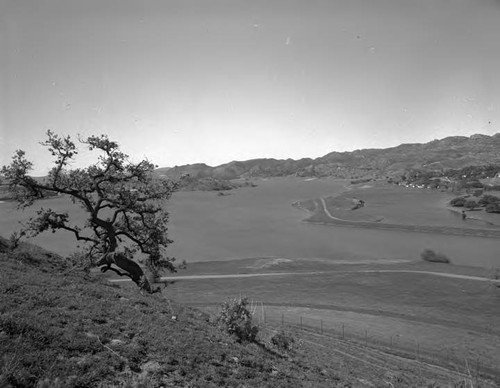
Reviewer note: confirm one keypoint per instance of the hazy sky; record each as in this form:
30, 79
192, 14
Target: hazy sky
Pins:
212, 81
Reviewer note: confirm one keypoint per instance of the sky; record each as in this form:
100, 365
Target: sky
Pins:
211, 81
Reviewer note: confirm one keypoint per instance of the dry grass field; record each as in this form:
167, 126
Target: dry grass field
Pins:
449, 319
62, 328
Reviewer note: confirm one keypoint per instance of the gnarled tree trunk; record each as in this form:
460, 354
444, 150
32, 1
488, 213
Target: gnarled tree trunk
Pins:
131, 268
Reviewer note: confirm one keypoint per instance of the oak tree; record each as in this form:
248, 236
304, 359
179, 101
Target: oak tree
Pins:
124, 204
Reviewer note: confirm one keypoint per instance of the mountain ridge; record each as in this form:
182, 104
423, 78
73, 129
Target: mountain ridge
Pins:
451, 152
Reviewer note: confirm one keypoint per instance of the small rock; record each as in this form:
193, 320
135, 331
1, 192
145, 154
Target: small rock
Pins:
366, 382
149, 367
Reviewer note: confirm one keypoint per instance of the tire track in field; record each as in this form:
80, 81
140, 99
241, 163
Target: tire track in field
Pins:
385, 360
381, 359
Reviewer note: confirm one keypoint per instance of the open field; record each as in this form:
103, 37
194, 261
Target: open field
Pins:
59, 328
409, 206
322, 214
448, 319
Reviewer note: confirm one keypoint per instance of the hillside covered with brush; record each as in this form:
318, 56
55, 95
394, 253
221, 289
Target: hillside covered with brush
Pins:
62, 327
453, 152
59, 328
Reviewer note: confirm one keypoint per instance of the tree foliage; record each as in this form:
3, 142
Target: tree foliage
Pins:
124, 202
470, 204
493, 208
487, 199
458, 202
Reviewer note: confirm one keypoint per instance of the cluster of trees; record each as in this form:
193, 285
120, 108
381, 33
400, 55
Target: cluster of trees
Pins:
430, 179
190, 183
490, 203
463, 178
474, 172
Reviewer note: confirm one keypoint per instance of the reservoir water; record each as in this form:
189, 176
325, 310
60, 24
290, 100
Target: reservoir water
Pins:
260, 222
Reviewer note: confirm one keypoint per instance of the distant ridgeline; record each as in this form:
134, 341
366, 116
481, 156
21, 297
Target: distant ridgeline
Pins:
438, 157
453, 162
6, 194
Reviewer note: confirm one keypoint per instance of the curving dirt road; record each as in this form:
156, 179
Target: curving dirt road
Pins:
248, 275
331, 219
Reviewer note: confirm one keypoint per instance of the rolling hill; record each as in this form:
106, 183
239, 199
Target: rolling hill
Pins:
449, 153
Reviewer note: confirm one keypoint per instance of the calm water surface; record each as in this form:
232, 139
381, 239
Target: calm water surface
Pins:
256, 222
260, 221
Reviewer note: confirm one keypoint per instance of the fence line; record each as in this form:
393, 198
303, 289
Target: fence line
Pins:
452, 358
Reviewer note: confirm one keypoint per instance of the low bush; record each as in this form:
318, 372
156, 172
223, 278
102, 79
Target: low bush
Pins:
493, 208
457, 202
434, 257
470, 204
487, 199
283, 340
235, 319
490, 187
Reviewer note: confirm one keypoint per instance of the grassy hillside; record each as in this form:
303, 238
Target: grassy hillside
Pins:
60, 327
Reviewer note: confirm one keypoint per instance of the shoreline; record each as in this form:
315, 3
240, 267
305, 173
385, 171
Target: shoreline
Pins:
322, 216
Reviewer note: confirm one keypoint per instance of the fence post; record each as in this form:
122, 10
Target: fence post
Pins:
343, 331
366, 338
301, 322
282, 319
263, 312
321, 323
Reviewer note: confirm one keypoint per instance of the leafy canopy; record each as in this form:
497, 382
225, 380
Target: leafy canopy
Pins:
124, 201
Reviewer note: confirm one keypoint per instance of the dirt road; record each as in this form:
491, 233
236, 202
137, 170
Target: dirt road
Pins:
248, 275
330, 219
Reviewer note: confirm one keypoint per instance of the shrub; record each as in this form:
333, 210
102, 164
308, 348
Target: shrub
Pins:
458, 202
493, 208
473, 184
283, 340
236, 320
492, 187
487, 199
470, 204
434, 257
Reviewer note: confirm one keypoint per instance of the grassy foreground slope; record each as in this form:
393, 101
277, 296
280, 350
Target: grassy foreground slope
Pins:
62, 328
59, 329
